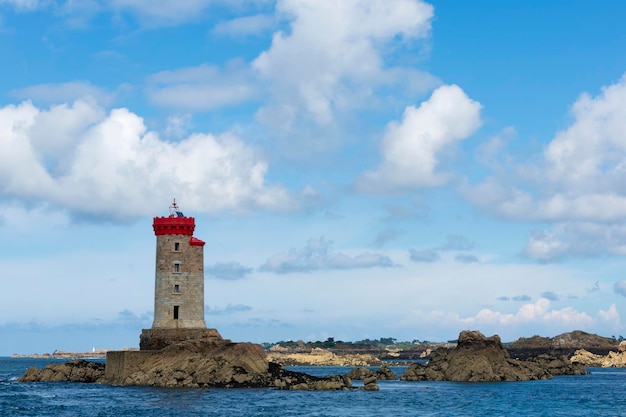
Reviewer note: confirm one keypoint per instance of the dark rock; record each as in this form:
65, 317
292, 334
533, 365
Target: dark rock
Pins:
279, 377
475, 359
573, 340
563, 344
558, 365
72, 371
370, 384
384, 373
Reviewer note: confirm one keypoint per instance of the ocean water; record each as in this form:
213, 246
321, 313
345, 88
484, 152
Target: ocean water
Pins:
603, 393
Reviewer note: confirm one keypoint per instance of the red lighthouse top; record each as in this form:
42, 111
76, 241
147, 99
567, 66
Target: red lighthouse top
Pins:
175, 224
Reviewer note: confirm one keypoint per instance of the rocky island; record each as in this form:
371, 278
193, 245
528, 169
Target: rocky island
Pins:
477, 358
212, 362
197, 363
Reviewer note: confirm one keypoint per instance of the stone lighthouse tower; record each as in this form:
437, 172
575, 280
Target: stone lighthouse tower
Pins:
179, 284
179, 277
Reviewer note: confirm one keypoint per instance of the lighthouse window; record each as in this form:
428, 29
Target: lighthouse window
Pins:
176, 312
176, 288
176, 246
177, 267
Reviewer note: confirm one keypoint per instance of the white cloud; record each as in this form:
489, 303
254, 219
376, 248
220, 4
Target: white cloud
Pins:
178, 125
581, 170
318, 256
611, 315
577, 183
109, 165
543, 246
204, 87
576, 239
333, 53
531, 313
412, 149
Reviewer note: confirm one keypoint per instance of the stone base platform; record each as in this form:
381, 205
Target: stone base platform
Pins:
157, 339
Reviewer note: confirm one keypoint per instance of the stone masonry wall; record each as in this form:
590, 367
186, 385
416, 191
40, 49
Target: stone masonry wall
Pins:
181, 285
157, 339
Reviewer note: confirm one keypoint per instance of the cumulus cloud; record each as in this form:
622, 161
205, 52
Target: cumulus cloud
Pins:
610, 315
332, 55
227, 270
412, 149
426, 255
581, 169
576, 239
577, 183
316, 255
544, 246
107, 164
537, 312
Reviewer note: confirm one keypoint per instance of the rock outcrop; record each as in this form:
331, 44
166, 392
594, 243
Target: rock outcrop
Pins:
563, 344
74, 371
193, 363
322, 357
558, 365
611, 360
482, 359
576, 339
370, 384
382, 374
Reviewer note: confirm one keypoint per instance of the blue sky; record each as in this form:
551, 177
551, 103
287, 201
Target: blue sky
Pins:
358, 169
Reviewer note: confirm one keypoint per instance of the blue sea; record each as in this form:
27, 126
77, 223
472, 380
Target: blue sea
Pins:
603, 393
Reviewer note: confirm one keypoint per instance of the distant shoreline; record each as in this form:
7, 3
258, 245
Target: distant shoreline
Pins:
60, 354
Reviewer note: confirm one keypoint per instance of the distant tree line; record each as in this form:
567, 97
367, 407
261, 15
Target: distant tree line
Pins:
331, 343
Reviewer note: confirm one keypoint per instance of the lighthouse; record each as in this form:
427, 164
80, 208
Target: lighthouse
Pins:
179, 273
178, 283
